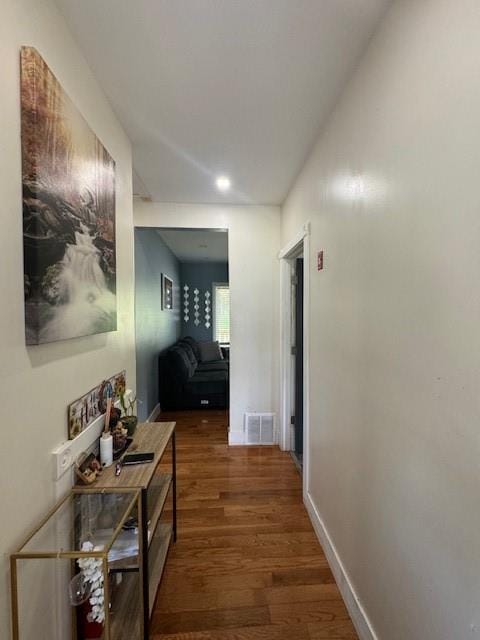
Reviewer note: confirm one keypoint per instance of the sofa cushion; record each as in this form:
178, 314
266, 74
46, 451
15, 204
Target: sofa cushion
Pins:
210, 351
189, 351
216, 365
183, 368
194, 346
207, 382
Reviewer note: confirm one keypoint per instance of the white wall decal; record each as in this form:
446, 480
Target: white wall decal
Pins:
207, 309
186, 303
196, 307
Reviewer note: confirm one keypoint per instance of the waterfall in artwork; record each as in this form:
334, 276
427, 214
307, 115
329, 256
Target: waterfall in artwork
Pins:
86, 304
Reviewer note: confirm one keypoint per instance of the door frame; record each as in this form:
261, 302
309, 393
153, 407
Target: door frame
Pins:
299, 244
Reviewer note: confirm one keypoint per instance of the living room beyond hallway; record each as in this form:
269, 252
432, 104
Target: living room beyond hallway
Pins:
247, 564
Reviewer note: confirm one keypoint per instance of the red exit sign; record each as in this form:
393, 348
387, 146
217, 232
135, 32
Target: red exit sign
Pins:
320, 260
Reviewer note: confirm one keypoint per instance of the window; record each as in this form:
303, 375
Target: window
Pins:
221, 313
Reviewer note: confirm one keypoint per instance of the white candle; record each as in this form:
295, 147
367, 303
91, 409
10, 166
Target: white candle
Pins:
106, 449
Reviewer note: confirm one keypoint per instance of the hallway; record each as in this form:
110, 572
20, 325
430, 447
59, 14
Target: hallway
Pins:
247, 564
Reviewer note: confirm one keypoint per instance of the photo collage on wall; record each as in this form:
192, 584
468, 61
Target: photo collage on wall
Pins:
91, 405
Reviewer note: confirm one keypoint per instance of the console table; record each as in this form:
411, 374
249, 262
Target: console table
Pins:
127, 522
156, 487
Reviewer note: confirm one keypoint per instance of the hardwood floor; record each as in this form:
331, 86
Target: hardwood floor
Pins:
247, 564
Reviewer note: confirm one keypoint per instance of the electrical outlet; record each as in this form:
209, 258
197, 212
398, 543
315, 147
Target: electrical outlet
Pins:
63, 461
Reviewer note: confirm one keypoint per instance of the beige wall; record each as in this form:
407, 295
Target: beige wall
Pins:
37, 383
391, 189
253, 241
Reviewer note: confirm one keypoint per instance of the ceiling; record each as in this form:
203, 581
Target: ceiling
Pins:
209, 87
196, 245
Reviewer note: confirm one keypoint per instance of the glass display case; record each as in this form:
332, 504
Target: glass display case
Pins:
79, 574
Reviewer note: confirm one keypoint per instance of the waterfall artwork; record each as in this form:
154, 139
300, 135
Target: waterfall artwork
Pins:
68, 214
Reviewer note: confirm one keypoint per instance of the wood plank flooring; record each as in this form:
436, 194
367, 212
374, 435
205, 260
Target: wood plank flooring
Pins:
247, 564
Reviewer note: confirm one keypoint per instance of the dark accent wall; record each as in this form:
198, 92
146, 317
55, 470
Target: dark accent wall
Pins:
200, 275
155, 329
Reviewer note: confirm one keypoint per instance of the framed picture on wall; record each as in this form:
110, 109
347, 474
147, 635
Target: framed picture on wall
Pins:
167, 292
68, 213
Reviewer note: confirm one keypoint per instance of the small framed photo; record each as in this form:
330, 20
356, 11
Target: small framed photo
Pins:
167, 292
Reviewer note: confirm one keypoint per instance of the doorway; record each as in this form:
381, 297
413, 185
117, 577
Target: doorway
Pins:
182, 324
298, 356
294, 325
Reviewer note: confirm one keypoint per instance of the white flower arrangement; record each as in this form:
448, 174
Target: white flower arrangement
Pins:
92, 573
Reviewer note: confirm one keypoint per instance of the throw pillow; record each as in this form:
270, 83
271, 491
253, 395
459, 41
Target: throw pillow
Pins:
210, 351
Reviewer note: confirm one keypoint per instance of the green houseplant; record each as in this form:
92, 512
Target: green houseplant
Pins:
129, 419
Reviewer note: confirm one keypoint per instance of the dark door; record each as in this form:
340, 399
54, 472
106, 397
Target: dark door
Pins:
299, 356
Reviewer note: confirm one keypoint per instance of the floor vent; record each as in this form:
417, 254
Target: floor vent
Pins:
259, 428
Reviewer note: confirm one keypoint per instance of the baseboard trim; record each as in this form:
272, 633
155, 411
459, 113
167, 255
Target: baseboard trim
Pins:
155, 412
358, 614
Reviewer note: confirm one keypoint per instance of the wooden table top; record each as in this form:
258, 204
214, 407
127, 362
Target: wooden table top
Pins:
149, 437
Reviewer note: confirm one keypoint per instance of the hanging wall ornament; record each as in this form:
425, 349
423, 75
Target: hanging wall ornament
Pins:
196, 307
186, 303
207, 309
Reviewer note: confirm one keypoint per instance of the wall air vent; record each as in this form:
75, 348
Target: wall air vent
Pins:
259, 428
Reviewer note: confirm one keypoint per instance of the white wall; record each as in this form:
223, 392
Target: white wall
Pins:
253, 241
38, 382
391, 189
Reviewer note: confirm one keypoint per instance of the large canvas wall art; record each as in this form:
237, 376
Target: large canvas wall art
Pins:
68, 214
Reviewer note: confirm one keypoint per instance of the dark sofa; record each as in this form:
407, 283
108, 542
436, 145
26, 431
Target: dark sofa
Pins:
185, 382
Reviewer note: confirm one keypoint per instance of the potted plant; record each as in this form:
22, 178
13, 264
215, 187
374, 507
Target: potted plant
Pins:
128, 419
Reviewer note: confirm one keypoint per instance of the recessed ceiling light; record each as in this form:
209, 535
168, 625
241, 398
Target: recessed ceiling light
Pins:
223, 183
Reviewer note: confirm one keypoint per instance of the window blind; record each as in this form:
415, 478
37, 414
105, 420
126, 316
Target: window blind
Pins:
221, 315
